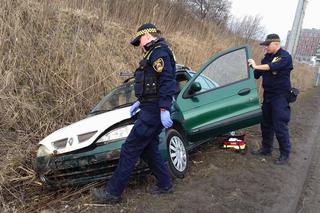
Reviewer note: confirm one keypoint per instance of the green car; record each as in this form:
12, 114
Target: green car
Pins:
219, 98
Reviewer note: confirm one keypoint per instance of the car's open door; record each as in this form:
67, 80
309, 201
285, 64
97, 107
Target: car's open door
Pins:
220, 97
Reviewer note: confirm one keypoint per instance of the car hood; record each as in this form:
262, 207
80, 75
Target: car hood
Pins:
98, 124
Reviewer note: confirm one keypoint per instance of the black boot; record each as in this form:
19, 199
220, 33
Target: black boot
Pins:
282, 160
100, 195
158, 190
262, 152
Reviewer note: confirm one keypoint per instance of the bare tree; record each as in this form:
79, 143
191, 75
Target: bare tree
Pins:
248, 27
202, 7
214, 10
220, 12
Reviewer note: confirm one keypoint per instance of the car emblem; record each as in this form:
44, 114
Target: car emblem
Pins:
70, 141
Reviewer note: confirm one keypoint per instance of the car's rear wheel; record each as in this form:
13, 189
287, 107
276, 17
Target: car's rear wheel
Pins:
177, 154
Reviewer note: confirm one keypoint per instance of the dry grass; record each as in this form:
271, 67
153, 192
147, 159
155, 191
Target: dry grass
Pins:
303, 77
57, 58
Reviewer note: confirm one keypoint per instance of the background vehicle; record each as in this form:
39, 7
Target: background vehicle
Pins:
219, 98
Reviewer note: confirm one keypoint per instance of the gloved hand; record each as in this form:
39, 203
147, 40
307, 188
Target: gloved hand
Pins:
165, 118
134, 108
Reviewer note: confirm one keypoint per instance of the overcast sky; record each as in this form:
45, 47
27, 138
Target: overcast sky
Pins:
277, 15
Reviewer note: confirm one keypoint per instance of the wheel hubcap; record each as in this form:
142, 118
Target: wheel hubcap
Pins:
178, 154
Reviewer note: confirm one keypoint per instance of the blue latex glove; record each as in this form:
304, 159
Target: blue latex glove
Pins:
134, 108
165, 119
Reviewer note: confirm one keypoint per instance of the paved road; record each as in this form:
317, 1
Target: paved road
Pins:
300, 183
310, 196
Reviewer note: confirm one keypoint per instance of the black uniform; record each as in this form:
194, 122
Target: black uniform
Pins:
275, 107
154, 87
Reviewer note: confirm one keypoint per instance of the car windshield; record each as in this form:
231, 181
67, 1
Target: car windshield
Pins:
121, 96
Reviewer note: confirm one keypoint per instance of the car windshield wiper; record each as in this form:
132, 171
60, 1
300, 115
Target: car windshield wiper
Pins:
121, 106
98, 111
106, 110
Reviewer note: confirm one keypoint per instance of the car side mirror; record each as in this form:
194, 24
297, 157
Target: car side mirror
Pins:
195, 87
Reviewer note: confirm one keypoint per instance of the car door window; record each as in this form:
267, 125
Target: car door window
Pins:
204, 84
227, 69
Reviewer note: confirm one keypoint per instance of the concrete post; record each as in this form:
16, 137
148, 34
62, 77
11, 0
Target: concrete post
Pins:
317, 77
296, 28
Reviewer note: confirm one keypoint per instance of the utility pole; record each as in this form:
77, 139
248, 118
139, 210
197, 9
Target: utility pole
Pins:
296, 27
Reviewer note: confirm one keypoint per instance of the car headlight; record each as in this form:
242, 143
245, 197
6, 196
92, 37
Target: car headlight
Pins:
43, 151
59, 144
116, 134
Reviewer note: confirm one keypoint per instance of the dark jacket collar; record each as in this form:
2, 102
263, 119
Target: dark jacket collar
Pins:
154, 43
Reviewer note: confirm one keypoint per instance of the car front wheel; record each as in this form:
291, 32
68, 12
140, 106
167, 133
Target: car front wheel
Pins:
177, 154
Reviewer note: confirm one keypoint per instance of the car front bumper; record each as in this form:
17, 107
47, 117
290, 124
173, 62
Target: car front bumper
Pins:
86, 165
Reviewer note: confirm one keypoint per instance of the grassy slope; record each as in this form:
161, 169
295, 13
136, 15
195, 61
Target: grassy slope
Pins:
58, 58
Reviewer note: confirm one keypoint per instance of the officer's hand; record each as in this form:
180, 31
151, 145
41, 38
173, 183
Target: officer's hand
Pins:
252, 63
134, 108
165, 118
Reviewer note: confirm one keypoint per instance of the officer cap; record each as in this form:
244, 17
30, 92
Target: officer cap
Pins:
270, 38
145, 28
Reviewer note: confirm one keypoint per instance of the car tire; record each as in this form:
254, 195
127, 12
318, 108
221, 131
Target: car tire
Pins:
177, 154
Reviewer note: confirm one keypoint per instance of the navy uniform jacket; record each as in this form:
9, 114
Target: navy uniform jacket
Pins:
162, 61
276, 81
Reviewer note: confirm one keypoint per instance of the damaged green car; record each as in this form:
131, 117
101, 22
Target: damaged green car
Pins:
219, 98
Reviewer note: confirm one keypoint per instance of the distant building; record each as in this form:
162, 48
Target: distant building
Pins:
307, 45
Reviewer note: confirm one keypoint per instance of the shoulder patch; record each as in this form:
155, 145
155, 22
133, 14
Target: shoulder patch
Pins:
276, 59
158, 65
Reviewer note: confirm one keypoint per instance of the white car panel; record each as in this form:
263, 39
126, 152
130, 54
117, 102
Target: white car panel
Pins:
97, 123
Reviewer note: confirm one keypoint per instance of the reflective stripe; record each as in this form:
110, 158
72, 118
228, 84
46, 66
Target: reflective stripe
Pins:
148, 54
148, 30
272, 40
173, 55
235, 146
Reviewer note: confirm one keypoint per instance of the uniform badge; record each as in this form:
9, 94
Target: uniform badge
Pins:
158, 65
276, 59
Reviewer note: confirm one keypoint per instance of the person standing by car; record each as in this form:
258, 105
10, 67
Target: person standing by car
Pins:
154, 87
275, 70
